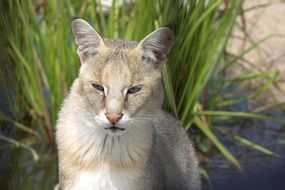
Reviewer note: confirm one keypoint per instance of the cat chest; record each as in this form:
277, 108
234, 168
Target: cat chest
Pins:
107, 179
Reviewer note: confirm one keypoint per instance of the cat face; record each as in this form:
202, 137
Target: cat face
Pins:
120, 81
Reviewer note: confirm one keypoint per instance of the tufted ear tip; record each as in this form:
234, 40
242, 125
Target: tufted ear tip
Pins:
88, 41
80, 23
156, 46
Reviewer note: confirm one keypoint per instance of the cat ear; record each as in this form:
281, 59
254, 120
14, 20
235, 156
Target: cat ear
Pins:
157, 45
88, 41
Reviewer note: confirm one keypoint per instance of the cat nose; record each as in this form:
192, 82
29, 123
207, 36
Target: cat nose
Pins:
114, 117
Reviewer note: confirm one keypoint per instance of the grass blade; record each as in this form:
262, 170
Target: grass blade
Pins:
206, 130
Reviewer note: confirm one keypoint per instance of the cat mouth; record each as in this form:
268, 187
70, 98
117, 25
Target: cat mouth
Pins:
114, 129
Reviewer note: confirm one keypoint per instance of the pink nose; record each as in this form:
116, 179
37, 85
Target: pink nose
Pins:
114, 117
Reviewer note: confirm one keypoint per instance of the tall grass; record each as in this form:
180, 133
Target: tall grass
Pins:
43, 63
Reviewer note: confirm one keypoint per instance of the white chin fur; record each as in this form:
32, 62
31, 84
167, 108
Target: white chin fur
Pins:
115, 132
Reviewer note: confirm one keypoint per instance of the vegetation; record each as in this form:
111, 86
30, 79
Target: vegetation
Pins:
42, 63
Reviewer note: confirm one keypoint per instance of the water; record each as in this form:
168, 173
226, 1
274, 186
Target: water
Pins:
259, 169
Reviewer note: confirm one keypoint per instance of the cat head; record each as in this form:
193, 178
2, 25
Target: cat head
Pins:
120, 81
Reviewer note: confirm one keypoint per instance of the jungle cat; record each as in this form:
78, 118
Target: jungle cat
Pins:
111, 131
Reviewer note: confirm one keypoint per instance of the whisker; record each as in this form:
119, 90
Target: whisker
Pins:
142, 119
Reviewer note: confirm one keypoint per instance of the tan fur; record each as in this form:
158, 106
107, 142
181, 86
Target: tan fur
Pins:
93, 156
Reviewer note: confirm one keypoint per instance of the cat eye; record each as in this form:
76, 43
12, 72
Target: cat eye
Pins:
134, 89
98, 87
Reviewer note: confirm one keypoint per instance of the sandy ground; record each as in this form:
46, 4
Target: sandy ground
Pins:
267, 20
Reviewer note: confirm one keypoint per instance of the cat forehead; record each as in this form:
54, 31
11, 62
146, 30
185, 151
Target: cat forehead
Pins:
120, 51
119, 44
120, 60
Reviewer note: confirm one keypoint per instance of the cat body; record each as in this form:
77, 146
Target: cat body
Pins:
111, 131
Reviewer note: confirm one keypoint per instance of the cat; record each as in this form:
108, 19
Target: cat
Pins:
111, 131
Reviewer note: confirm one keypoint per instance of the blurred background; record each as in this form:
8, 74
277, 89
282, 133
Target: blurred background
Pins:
224, 80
